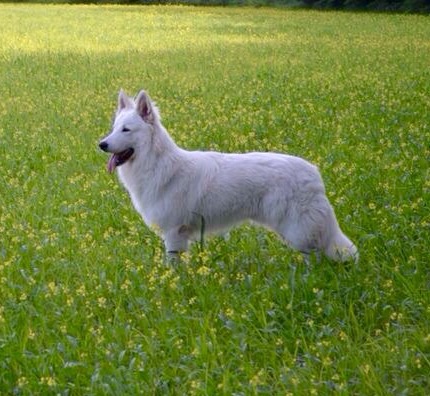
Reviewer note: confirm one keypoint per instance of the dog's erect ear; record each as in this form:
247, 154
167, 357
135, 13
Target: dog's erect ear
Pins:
123, 101
144, 107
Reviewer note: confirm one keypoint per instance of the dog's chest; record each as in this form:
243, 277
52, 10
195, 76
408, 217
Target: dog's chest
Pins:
142, 195
134, 184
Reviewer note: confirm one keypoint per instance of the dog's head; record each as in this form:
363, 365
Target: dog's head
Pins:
132, 128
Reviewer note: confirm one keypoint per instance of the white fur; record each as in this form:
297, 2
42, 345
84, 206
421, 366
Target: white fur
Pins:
178, 191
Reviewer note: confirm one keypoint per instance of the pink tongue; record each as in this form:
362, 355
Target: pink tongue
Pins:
111, 165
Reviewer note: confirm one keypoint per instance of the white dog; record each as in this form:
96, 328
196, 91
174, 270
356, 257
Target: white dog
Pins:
179, 192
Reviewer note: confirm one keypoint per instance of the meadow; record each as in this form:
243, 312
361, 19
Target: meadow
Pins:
88, 306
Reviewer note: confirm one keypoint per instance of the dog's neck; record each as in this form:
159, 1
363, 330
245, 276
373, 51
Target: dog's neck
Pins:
153, 168
162, 143
159, 158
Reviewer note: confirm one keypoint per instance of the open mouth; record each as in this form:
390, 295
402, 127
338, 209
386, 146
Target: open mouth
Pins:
118, 159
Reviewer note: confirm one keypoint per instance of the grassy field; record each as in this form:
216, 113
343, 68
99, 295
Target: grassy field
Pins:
87, 305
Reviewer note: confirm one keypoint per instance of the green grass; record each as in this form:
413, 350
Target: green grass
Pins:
87, 306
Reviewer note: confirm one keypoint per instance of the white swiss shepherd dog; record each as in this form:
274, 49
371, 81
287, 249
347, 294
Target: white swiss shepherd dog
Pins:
178, 192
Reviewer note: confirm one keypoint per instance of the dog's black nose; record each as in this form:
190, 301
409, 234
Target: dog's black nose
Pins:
103, 146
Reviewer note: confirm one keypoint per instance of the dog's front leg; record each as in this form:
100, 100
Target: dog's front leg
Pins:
172, 257
176, 242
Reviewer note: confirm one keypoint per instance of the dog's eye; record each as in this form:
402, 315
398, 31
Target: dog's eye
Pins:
125, 129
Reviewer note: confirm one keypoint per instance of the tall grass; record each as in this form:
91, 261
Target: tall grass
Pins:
87, 305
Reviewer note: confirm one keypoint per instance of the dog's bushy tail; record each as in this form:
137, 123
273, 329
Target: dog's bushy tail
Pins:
341, 248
